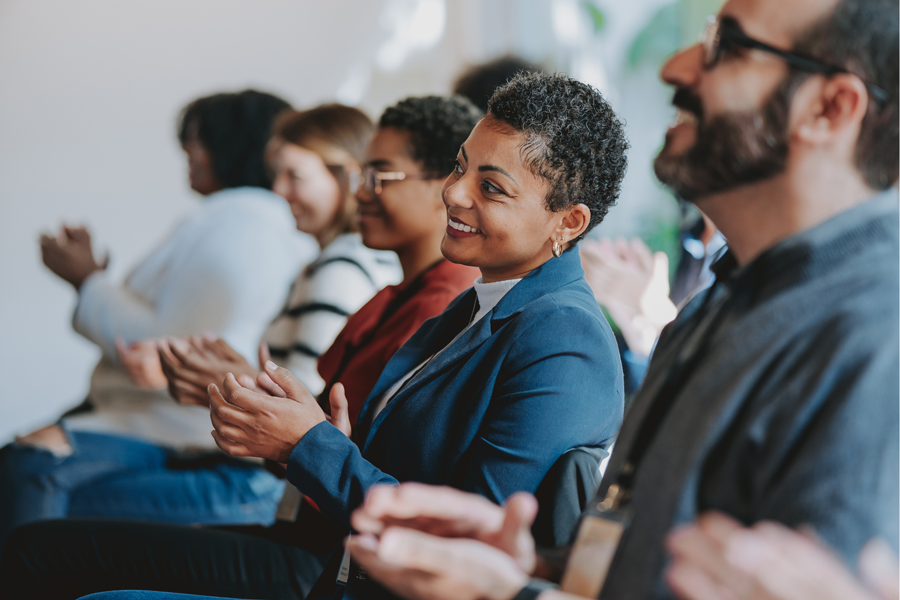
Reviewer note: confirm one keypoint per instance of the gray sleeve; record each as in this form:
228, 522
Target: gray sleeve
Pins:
821, 447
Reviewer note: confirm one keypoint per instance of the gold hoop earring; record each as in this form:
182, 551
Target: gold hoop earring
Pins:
557, 248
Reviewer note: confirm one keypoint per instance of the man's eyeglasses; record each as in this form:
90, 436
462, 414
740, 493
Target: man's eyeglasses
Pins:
719, 35
372, 179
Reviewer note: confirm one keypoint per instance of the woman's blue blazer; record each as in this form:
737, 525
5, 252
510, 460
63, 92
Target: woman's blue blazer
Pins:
537, 375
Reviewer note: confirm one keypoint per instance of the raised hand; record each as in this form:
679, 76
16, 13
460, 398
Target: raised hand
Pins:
250, 423
633, 285
70, 255
141, 361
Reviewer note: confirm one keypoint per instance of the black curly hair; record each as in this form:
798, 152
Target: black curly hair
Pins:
573, 139
438, 126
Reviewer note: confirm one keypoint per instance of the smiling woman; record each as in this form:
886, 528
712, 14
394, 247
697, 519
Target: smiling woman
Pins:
487, 396
518, 370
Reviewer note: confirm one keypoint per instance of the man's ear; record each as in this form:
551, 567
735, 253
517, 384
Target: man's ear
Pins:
574, 222
830, 108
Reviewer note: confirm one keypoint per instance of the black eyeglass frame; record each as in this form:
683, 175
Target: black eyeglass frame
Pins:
717, 36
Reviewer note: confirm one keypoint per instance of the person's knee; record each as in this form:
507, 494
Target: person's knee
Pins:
52, 438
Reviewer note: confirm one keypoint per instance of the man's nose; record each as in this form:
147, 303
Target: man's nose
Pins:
683, 68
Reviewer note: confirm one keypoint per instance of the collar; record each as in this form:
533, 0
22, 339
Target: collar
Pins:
809, 252
489, 294
547, 278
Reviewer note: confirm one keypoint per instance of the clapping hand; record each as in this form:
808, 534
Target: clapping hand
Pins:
632, 283
191, 364
70, 255
439, 543
254, 423
717, 558
141, 361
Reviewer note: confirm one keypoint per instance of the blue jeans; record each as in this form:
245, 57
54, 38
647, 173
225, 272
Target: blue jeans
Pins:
116, 477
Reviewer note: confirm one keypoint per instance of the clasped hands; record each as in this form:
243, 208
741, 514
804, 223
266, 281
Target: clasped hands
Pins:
254, 414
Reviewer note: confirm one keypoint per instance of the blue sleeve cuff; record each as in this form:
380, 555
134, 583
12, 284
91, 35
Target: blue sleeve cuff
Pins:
329, 468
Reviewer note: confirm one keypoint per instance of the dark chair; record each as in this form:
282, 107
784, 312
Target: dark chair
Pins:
563, 494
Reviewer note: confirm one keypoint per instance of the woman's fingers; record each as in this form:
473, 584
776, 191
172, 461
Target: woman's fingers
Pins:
183, 352
225, 411
225, 429
185, 392
293, 389
263, 354
879, 569
434, 509
340, 411
270, 387
230, 447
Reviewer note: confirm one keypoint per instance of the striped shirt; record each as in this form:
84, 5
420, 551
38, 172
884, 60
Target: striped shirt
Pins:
337, 284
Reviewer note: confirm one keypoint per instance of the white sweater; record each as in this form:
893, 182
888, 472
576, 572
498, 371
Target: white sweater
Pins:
343, 278
225, 269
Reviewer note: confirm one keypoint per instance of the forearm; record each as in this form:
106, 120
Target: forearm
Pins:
107, 311
329, 468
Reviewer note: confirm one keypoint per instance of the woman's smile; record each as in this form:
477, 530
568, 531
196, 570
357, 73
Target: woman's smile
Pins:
458, 229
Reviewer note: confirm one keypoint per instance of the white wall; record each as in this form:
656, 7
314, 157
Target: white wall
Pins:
89, 92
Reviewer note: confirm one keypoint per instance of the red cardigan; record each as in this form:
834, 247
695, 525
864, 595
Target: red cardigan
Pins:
436, 288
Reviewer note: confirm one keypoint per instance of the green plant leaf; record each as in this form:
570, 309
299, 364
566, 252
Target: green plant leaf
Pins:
597, 17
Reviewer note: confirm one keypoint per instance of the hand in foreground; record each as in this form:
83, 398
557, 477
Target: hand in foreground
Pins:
716, 558
633, 285
70, 255
450, 513
419, 566
141, 361
250, 423
436, 542
191, 364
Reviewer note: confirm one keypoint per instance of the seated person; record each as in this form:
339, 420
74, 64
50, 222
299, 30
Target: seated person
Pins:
485, 397
109, 461
773, 396
316, 157
399, 219
407, 219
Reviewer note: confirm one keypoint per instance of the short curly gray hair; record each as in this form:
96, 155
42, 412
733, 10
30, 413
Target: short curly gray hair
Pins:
573, 139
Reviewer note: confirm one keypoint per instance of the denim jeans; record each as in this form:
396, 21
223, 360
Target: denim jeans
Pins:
116, 477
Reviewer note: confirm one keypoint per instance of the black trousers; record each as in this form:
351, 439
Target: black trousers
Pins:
70, 558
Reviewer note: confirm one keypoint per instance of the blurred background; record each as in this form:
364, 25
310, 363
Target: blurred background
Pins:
90, 91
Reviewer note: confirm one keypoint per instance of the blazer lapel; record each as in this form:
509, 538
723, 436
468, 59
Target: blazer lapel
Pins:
433, 335
547, 278
470, 341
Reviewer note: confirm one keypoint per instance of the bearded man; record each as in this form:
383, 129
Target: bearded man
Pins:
774, 395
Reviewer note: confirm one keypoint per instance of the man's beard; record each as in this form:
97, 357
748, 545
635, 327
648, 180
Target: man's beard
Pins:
730, 150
